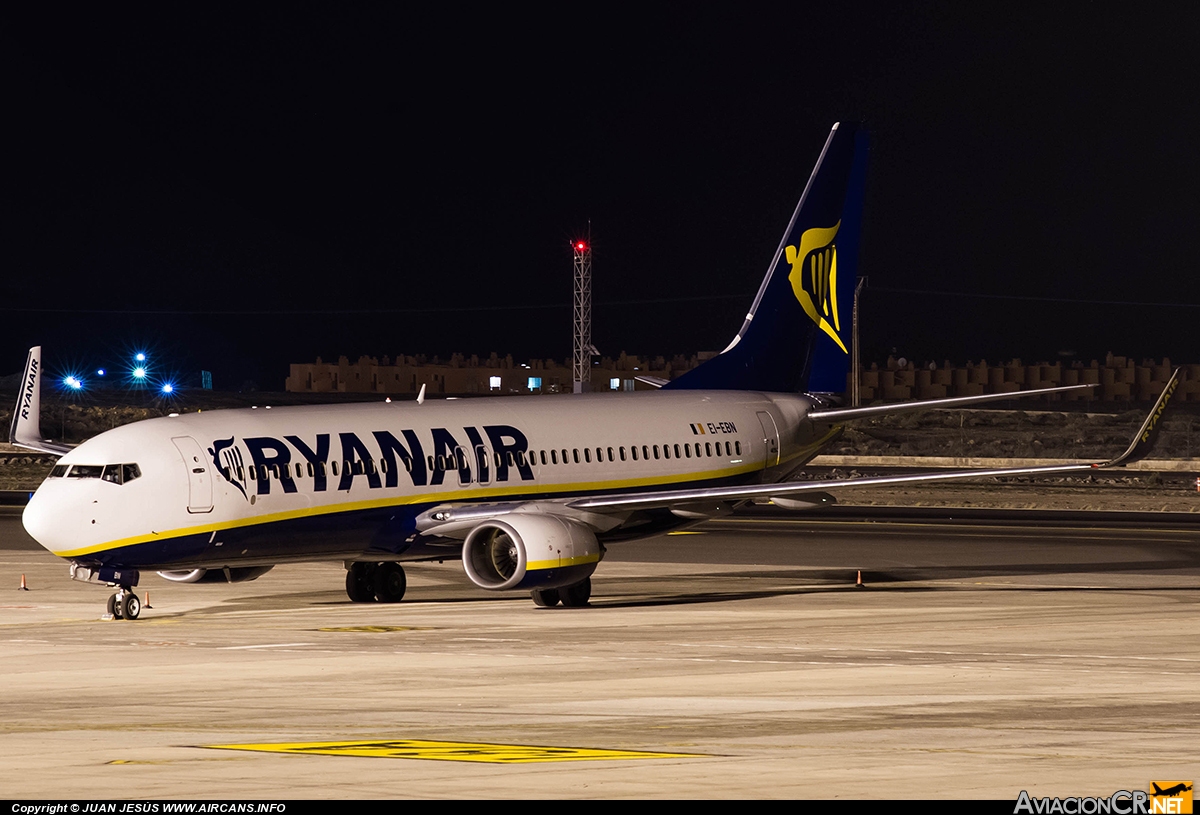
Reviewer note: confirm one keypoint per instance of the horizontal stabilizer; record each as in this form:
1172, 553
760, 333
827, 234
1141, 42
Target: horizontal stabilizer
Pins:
845, 414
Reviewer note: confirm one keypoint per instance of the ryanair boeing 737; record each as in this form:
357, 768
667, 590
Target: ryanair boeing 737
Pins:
526, 490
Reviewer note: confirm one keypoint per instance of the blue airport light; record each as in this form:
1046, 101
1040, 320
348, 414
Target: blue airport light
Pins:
140, 357
99, 372
168, 388
73, 382
139, 373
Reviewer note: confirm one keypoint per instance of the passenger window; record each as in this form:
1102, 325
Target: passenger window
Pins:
645, 453
311, 471
707, 448
633, 452
611, 457
564, 452
299, 470
677, 451
575, 455
656, 452
553, 456
666, 451
543, 458
737, 447
697, 449
687, 450
333, 468
587, 455
621, 451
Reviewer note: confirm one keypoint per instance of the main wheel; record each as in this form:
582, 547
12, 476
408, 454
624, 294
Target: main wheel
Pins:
131, 606
358, 583
545, 598
390, 582
577, 595
112, 609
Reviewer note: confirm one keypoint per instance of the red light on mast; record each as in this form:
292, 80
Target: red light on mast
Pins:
580, 246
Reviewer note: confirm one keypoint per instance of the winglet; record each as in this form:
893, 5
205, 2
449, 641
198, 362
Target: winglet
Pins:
25, 430
1147, 435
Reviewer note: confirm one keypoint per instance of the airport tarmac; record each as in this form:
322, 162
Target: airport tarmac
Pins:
983, 658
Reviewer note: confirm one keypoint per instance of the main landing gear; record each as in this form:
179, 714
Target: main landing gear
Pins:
573, 596
376, 582
123, 605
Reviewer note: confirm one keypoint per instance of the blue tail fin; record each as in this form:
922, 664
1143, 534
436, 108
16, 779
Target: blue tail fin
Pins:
796, 336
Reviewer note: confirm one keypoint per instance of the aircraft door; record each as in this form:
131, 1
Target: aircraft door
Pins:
200, 488
770, 439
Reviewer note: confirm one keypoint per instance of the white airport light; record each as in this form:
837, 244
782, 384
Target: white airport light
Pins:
139, 373
168, 388
73, 382
99, 372
140, 357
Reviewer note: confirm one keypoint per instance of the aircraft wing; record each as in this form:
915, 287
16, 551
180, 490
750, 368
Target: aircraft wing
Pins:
1138, 448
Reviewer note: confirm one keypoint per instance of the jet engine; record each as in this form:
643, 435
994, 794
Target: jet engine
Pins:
530, 552
238, 575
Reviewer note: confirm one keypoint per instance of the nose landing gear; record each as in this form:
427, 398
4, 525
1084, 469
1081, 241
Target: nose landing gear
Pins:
123, 605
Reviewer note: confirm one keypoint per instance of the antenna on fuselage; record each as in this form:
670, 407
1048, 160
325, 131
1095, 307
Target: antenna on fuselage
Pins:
421, 395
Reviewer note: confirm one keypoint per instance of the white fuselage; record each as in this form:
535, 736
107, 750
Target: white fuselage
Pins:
295, 483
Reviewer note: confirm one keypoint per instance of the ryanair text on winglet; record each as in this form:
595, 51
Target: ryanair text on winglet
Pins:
1158, 413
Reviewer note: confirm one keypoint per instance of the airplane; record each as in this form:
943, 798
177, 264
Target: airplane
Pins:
1170, 791
527, 490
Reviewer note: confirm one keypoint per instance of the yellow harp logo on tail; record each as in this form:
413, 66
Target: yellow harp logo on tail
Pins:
814, 278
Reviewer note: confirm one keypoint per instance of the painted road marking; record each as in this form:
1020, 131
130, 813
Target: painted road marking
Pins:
450, 751
373, 629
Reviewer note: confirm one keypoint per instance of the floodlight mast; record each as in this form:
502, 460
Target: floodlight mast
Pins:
581, 368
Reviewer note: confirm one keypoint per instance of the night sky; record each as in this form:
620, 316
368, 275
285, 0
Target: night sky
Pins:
239, 189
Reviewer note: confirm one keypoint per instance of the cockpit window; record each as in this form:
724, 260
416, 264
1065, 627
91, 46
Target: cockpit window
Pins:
112, 473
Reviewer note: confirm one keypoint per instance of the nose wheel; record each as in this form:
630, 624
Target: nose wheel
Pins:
124, 605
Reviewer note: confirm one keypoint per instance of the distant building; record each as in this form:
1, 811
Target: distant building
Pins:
1118, 379
470, 376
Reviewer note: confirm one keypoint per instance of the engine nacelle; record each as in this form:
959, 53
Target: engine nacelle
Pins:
238, 575
529, 552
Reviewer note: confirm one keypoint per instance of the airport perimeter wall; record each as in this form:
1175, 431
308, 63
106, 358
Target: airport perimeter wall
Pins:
1117, 378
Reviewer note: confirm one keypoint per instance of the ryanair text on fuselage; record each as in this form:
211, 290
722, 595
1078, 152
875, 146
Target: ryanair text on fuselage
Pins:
498, 447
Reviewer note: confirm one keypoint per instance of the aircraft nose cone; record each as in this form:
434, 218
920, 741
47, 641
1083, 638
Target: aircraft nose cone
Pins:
42, 522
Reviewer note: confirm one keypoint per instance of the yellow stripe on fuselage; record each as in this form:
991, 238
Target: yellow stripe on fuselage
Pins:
477, 493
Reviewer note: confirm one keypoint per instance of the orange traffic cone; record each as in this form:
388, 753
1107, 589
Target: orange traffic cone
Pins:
23, 586
147, 603
858, 584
